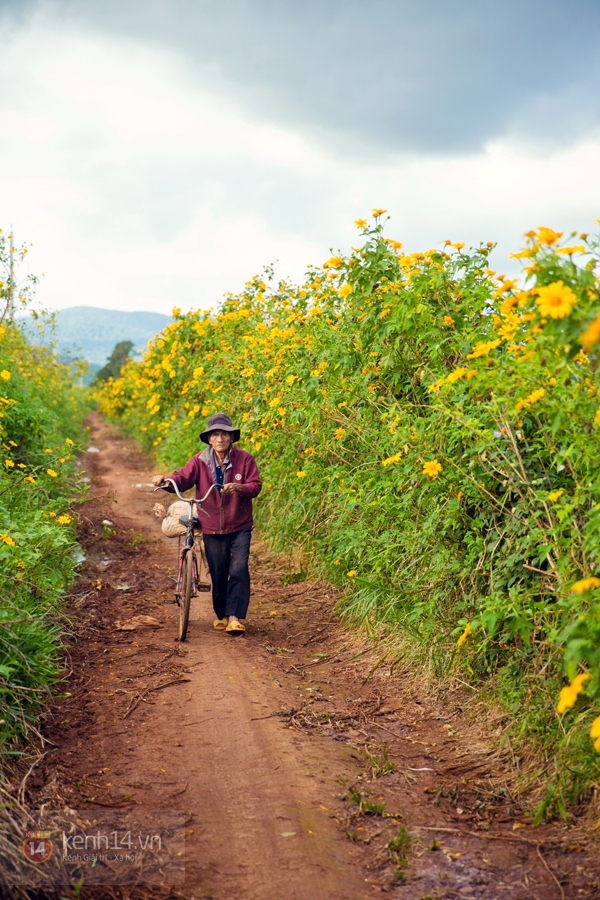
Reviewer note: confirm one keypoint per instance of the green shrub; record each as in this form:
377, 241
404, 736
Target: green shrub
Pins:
41, 412
428, 430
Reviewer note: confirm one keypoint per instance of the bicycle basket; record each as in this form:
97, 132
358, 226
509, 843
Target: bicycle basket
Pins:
171, 526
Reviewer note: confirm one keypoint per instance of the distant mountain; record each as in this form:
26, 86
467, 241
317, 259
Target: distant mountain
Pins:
92, 333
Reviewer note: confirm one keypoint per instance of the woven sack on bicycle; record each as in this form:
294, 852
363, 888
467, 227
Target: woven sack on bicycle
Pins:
171, 526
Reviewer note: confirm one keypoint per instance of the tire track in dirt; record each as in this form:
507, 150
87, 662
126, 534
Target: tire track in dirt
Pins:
273, 743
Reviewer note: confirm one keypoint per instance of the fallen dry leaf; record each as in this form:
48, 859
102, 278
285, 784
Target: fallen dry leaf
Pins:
137, 622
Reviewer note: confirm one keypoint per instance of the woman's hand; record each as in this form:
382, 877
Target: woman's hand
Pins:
231, 488
158, 480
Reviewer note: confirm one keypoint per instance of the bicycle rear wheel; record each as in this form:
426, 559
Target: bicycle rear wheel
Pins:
186, 594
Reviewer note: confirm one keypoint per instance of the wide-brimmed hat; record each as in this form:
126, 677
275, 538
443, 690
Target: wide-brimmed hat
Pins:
220, 422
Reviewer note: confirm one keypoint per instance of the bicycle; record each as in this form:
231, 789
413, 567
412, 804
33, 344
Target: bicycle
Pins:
189, 580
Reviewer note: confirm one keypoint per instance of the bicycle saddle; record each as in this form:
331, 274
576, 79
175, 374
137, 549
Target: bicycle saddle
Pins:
183, 520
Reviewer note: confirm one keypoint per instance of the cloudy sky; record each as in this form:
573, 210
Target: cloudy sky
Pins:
160, 152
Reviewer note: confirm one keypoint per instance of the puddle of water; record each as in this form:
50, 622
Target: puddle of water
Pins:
78, 554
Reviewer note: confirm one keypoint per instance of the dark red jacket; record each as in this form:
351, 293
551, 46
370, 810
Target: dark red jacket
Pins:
232, 512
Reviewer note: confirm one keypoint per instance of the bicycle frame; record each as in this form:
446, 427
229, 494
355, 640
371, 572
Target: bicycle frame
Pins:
190, 535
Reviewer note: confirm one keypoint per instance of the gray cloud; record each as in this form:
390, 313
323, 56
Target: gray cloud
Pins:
141, 149
427, 76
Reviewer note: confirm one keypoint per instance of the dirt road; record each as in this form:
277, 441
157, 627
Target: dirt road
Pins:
304, 767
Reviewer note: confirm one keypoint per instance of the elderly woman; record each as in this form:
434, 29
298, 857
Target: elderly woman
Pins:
228, 526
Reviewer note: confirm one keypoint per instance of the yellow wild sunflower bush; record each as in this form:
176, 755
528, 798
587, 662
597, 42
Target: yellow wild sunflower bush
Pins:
41, 412
428, 429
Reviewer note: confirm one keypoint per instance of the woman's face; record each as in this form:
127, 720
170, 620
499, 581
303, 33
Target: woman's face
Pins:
220, 441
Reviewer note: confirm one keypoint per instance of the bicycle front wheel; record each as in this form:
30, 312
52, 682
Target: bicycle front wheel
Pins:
187, 580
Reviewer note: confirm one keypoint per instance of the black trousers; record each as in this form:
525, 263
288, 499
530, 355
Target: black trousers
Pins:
227, 557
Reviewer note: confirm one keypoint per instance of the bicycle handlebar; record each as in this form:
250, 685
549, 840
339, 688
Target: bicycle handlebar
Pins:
170, 480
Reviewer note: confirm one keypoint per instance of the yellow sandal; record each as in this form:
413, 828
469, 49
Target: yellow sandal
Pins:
220, 624
235, 628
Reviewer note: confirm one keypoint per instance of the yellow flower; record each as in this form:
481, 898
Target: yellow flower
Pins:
568, 695
595, 733
568, 250
5, 375
334, 263
522, 254
360, 223
69, 441
432, 469
9, 464
482, 348
591, 335
345, 290
597, 417
530, 399
448, 320
548, 236
352, 573
378, 212
176, 312
392, 459
464, 635
7, 540
64, 520
554, 495
52, 473
586, 584
301, 474
459, 372
434, 388
556, 300
30, 479
508, 331
339, 433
